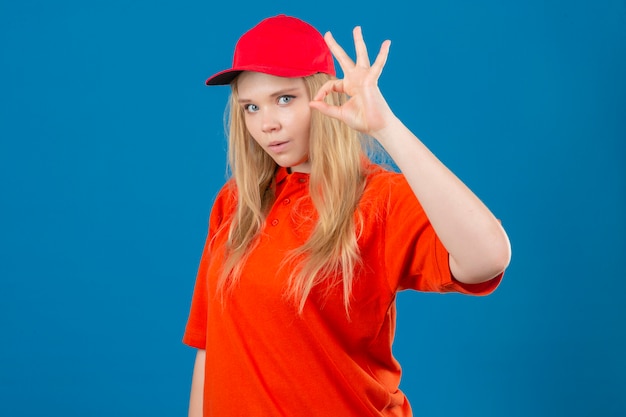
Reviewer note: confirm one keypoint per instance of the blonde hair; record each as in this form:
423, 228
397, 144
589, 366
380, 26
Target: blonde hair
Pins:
330, 254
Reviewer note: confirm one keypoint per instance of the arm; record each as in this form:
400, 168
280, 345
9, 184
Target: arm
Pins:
197, 385
478, 245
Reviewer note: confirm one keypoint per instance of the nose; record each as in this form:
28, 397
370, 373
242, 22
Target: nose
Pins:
270, 122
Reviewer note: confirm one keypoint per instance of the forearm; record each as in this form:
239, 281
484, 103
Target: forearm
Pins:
196, 397
478, 245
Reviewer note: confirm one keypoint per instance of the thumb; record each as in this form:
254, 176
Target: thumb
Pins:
326, 109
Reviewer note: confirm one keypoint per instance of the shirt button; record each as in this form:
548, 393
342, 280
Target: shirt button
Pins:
274, 222
302, 180
286, 201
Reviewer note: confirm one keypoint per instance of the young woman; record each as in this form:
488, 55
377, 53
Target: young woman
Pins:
293, 311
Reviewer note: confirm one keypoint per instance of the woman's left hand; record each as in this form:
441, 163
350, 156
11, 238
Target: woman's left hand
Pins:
366, 110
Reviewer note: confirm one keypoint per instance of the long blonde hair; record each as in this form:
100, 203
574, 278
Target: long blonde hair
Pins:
337, 180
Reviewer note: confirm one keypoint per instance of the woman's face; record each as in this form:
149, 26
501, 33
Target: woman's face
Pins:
278, 116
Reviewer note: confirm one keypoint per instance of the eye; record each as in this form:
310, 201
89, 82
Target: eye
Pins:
251, 108
285, 99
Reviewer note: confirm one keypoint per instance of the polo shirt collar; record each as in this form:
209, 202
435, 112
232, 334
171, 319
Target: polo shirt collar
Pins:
282, 174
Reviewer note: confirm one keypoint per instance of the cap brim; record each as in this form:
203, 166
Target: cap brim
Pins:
223, 77
227, 76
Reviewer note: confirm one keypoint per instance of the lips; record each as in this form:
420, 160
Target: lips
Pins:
277, 146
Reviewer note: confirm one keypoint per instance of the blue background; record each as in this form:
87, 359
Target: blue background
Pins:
112, 149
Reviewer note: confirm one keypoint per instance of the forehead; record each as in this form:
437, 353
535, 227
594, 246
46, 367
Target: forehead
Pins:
257, 83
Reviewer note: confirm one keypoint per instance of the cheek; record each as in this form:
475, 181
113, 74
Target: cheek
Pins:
306, 130
251, 127
247, 122
303, 120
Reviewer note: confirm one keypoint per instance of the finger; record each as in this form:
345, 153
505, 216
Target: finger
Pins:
326, 109
362, 58
381, 58
327, 88
342, 57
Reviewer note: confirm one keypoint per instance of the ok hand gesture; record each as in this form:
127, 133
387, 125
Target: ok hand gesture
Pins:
366, 110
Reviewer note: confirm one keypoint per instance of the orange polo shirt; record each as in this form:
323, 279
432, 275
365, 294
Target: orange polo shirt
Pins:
263, 359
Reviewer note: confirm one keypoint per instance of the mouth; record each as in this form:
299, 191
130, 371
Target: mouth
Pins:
277, 146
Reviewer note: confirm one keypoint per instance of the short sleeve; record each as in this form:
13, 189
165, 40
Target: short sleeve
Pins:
415, 258
195, 330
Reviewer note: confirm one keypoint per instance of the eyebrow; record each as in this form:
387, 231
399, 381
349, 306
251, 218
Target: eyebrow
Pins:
278, 93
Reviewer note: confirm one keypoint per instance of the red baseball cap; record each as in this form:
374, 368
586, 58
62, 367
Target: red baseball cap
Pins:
282, 45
